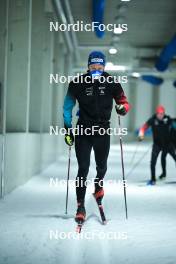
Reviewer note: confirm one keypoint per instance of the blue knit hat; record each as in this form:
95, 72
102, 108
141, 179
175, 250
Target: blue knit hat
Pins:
96, 57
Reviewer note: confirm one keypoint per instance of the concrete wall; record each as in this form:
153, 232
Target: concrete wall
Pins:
25, 155
143, 104
32, 103
148, 97
140, 95
144, 98
167, 97
2, 81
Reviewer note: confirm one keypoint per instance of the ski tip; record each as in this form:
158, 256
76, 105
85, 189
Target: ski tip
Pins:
79, 226
78, 229
80, 219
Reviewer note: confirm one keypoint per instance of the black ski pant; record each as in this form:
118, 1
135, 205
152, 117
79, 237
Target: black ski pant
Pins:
163, 162
155, 152
83, 146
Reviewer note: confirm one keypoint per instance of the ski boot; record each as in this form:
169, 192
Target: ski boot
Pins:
98, 195
162, 176
151, 182
81, 213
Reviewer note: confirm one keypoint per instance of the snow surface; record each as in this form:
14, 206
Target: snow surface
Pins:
32, 217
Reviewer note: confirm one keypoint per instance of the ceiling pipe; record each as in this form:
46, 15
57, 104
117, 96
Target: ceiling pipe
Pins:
73, 34
61, 15
152, 79
98, 15
166, 55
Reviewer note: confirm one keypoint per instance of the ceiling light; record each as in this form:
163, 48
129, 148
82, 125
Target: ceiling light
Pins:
111, 67
136, 74
112, 51
108, 64
118, 30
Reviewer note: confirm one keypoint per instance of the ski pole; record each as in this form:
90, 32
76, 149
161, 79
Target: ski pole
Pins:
68, 176
138, 162
123, 170
134, 154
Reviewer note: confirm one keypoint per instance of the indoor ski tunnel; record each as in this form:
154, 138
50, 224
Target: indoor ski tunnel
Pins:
49, 51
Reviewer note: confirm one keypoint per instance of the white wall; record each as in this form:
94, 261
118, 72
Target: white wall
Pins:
25, 155
167, 97
143, 104
33, 104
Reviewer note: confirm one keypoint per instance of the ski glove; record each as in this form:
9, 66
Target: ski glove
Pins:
69, 139
140, 137
120, 109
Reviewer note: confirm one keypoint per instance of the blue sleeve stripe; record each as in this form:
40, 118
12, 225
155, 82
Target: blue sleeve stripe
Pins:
174, 124
69, 103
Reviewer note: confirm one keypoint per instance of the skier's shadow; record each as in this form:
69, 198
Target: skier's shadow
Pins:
62, 216
142, 181
170, 182
96, 217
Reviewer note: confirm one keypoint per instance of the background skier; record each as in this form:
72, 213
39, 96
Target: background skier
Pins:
161, 125
164, 154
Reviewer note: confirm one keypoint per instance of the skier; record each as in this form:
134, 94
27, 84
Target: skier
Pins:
95, 100
164, 154
161, 128
173, 132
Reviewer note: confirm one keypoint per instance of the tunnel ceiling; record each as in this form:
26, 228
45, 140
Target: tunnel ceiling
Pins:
150, 27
